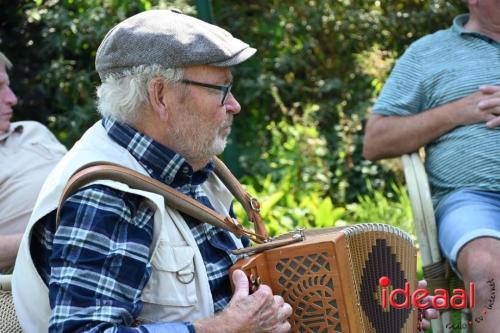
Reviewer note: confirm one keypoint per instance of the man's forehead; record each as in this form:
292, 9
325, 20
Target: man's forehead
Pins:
218, 73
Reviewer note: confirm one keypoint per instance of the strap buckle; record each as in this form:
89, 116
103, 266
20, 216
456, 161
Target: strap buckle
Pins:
255, 204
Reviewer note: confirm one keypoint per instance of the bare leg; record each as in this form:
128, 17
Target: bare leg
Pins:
479, 262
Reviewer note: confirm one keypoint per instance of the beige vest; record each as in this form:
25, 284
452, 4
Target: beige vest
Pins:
174, 253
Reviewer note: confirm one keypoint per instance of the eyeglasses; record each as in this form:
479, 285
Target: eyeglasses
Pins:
225, 89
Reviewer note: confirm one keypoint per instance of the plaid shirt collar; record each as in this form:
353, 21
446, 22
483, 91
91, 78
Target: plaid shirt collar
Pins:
160, 162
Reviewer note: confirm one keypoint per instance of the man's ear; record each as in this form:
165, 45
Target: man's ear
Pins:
157, 98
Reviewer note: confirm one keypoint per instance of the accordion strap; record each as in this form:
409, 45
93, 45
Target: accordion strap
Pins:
249, 203
109, 171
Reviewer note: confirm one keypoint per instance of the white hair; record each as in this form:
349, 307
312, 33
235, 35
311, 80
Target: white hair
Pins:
121, 97
5, 61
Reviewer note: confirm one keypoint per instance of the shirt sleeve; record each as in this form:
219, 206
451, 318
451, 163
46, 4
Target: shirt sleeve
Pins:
403, 93
100, 263
171, 328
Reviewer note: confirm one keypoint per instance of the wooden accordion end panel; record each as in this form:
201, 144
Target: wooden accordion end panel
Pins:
331, 279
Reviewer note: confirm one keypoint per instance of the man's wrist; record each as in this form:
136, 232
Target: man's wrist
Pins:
218, 324
455, 111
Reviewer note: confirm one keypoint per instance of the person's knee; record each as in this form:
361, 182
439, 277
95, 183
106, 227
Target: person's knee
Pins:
479, 260
478, 263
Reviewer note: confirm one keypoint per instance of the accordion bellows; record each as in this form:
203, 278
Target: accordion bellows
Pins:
331, 279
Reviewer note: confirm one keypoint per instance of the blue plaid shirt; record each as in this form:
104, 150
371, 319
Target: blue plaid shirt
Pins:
96, 264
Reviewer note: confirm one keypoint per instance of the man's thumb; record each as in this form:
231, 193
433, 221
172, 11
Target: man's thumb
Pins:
240, 282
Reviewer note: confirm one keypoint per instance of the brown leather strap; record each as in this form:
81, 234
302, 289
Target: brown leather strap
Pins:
110, 171
249, 203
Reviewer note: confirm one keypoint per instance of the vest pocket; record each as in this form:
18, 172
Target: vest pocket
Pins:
172, 280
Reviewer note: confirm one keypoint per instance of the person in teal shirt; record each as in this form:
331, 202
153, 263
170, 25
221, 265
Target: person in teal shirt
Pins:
444, 94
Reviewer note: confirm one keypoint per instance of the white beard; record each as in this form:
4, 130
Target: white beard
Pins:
195, 146
217, 146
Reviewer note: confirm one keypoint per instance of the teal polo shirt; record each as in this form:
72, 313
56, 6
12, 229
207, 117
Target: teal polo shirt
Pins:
438, 69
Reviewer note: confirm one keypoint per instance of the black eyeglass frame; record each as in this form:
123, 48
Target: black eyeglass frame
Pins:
225, 89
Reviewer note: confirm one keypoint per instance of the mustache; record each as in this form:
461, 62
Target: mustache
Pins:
228, 122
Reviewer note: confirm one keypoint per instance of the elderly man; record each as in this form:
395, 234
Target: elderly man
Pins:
444, 93
119, 258
28, 152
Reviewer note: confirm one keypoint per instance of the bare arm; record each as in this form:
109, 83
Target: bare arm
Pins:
8, 249
260, 312
394, 135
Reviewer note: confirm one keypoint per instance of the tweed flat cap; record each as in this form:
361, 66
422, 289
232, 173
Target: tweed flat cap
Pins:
170, 39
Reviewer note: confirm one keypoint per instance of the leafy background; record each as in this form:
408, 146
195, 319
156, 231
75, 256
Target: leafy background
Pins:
305, 95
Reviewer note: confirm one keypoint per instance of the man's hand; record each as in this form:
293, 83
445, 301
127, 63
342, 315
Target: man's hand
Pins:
260, 312
491, 105
429, 313
481, 106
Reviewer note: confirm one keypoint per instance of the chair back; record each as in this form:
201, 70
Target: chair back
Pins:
8, 319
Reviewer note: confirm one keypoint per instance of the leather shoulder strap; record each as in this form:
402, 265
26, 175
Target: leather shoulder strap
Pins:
109, 171
249, 203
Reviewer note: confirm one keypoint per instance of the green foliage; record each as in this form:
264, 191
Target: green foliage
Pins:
293, 176
293, 185
377, 206
334, 55
284, 210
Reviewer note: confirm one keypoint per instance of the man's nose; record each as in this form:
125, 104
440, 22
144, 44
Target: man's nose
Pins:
232, 104
10, 98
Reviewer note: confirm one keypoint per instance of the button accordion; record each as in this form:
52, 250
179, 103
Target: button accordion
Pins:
331, 278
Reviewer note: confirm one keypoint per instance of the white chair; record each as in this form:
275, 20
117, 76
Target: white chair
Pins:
436, 271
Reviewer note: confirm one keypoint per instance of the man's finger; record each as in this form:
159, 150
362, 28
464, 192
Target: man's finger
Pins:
493, 123
241, 284
489, 103
489, 89
278, 300
284, 328
288, 310
426, 324
431, 313
422, 284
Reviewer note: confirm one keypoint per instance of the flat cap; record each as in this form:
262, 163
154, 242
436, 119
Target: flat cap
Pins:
170, 39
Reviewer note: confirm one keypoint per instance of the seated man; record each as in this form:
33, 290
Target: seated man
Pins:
120, 260
28, 152
444, 93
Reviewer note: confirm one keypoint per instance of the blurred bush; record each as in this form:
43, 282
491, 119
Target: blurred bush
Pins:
296, 196
330, 55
